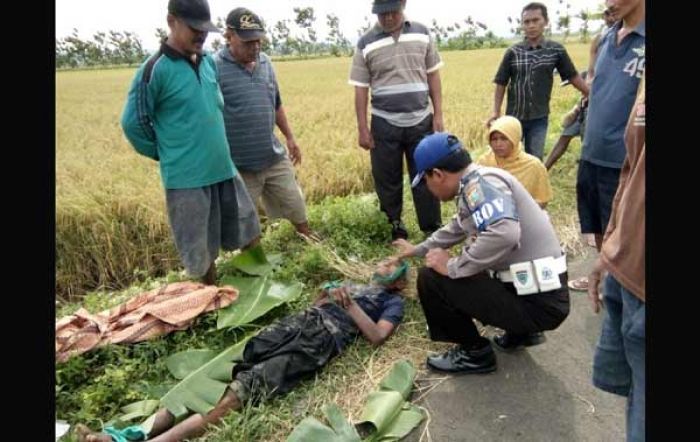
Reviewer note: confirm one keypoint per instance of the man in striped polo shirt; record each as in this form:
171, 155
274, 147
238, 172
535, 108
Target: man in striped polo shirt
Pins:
252, 107
399, 60
527, 70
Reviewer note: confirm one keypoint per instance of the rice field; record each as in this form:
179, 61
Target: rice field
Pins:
111, 227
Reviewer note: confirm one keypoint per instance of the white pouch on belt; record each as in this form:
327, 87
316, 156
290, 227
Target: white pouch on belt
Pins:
546, 274
524, 278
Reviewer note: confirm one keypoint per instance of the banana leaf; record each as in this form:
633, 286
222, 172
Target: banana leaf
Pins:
256, 297
204, 387
406, 420
133, 411
312, 430
387, 415
253, 261
185, 362
400, 378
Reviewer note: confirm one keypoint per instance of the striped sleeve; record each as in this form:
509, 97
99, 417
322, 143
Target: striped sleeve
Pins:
359, 74
137, 118
433, 62
503, 74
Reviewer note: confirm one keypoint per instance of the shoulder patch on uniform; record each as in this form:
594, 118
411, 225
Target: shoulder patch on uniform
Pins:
487, 203
474, 195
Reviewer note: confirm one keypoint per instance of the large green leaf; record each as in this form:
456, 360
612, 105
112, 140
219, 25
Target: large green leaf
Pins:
387, 416
400, 378
380, 410
406, 420
339, 423
312, 430
202, 389
256, 297
133, 411
185, 362
253, 261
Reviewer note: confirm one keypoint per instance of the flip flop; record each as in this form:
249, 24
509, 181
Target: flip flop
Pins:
579, 284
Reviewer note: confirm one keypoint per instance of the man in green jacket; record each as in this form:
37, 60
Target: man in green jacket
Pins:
174, 115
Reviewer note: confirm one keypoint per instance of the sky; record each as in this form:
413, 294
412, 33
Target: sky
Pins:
144, 16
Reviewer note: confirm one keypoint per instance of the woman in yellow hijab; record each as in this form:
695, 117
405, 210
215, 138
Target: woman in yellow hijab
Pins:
507, 153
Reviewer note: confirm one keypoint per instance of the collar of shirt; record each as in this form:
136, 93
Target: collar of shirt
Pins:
406, 25
174, 54
640, 29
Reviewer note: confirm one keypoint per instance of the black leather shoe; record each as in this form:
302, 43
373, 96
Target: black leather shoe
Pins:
461, 361
398, 230
511, 341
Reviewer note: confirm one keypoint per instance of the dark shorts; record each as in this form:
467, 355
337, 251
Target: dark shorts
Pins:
203, 220
595, 191
283, 354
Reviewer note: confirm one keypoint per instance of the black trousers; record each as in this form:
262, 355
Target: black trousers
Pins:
286, 352
391, 144
451, 304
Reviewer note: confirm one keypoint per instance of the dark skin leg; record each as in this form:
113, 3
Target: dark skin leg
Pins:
557, 151
209, 278
195, 425
163, 429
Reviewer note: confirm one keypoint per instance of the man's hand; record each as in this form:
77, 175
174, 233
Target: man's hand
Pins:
594, 283
436, 259
365, 139
494, 116
294, 151
438, 124
341, 296
406, 249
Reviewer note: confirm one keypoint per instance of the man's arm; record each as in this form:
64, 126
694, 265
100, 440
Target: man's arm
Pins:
137, 117
592, 55
283, 124
580, 84
361, 99
501, 79
375, 332
443, 238
433, 63
360, 78
498, 95
435, 90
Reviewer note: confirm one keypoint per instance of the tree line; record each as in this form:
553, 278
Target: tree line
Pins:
297, 37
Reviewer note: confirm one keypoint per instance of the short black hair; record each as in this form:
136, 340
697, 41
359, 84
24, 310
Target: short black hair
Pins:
453, 162
536, 5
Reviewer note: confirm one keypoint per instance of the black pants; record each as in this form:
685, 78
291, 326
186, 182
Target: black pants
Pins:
285, 353
391, 143
450, 304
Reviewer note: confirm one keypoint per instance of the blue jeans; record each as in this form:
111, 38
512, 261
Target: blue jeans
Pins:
534, 135
618, 364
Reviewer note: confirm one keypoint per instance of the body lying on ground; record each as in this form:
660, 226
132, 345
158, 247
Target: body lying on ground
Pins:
294, 348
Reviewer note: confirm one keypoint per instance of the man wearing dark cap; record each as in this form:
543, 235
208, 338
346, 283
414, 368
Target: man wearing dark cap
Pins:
173, 115
399, 60
510, 274
252, 108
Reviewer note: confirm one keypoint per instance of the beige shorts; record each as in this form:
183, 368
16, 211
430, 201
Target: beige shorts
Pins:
277, 187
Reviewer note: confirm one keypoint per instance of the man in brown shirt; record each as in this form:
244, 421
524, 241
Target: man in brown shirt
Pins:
618, 364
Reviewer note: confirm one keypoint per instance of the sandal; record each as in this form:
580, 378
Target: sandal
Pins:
579, 284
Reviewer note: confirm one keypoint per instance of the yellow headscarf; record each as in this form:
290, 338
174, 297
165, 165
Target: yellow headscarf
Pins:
527, 168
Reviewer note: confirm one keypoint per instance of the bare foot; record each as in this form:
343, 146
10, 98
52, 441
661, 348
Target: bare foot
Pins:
87, 435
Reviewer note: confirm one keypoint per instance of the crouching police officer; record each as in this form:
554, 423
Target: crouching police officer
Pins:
511, 272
